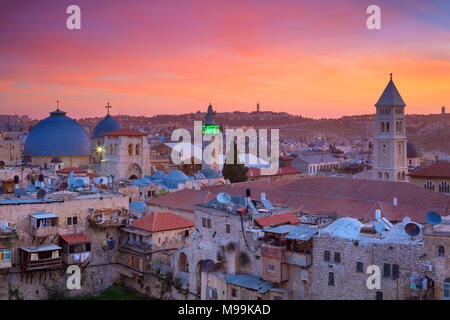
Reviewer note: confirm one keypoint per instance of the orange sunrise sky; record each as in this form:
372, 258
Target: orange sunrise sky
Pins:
312, 58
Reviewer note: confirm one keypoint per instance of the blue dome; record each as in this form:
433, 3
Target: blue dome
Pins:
210, 173
58, 135
105, 126
177, 175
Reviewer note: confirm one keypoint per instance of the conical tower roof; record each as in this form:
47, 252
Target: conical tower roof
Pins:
390, 97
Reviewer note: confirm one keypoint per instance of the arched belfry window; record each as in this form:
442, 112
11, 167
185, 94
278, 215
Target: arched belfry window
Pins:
382, 127
137, 149
130, 149
387, 126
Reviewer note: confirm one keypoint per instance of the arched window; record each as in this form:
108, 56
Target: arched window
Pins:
399, 176
440, 251
380, 175
403, 175
387, 126
115, 149
130, 149
444, 187
386, 175
137, 149
110, 148
429, 185
382, 127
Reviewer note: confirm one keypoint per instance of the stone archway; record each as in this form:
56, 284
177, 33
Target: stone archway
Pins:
134, 171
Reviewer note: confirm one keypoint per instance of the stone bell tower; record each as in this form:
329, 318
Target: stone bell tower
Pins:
390, 162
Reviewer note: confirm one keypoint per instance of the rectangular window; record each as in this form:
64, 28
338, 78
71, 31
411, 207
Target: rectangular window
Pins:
228, 228
74, 220
326, 256
209, 223
69, 221
233, 293
271, 268
387, 270
395, 271
331, 279
88, 247
5, 254
337, 257
359, 266
203, 222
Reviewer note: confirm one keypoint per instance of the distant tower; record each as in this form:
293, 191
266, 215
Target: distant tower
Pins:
209, 129
390, 162
443, 110
257, 107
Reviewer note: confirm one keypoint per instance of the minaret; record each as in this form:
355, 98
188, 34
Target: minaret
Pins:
209, 129
390, 161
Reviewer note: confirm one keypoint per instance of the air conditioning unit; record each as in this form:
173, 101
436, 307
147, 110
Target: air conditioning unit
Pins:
428, 267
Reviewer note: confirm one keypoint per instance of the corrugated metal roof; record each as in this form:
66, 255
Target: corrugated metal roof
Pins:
293, 232
49, 247
250, 282
43, 215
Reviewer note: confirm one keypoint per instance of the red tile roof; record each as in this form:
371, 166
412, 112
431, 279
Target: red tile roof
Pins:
72, 169
256, 172
125, 132
162, 221
437, 170
341, 197
185, 199
75, 238
278, 220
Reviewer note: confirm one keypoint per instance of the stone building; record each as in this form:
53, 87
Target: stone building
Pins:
436, 246
434, 178
223, 243
10, 152
390, 162
342, 252
43, 236
125, 153
311, 165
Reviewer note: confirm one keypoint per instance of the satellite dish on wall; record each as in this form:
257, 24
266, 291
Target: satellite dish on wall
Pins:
223, 197
406, 219
433, 218
412, 229
41, 194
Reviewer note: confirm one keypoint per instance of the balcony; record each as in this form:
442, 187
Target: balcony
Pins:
41, 264
136, 247
298, 259
274, 252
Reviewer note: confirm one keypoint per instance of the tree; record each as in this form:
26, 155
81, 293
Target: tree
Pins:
235, 172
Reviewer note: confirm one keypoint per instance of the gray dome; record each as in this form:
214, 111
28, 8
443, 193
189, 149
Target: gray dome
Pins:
56, 160
177, 175
210, 173
58, 135
105, 126
411, 151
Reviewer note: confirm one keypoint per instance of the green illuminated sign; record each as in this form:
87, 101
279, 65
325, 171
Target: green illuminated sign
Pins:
210, 129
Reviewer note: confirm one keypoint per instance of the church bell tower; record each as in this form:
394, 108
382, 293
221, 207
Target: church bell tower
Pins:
390, 161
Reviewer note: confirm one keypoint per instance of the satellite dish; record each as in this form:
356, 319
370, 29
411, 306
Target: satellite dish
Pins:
41, 194
20, 192
433, 218
412, 229
71, 174
78, 183
406, 219
223, 197
379, 227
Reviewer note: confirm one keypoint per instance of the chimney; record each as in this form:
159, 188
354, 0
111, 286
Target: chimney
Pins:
378, 214
395, 201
